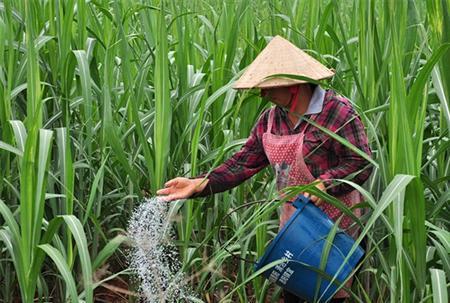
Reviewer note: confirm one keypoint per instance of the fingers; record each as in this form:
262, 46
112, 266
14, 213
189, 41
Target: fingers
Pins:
175, 189
165, 191
172, 182
170, 194
314, 199
172, 197
169, 187
166, 198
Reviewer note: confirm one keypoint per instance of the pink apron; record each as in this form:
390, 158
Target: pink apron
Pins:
285, 154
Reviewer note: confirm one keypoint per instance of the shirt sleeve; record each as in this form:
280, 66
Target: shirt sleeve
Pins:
350, 165
249, 160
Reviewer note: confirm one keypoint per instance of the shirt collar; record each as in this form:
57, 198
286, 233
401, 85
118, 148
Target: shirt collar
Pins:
315, 105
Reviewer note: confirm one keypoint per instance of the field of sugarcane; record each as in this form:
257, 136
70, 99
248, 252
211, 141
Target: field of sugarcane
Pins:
103, 101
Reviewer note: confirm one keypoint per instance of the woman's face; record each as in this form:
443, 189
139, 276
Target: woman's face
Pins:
278, 95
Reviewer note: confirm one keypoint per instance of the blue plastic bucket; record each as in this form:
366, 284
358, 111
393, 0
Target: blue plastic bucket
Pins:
301, 241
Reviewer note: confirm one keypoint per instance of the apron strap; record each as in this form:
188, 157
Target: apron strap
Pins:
312, 118
270, 120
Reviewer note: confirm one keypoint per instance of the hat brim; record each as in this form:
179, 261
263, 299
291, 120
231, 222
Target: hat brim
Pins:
277, 82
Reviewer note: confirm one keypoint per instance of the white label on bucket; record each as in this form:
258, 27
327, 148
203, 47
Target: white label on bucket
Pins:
280, 272
288, 254
280, 267
286, 275
274, 275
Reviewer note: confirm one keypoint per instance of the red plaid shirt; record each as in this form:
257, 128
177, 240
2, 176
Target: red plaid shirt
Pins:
325, 157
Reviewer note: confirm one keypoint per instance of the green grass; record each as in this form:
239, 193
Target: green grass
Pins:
101, 102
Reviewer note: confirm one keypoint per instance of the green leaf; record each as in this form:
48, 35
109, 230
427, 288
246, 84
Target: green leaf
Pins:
11, 149
438, 282
80, 238
163, 107
108, 250
94, 188
63, 268
20, 133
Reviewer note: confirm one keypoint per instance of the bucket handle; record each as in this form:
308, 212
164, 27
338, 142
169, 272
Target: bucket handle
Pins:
299, 203
221, 225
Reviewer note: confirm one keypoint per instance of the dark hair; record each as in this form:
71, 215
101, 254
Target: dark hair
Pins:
312, 86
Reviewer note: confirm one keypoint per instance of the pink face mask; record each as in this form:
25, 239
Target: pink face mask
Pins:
294, 90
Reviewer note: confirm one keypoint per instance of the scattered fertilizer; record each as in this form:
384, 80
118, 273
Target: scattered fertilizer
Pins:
153, 256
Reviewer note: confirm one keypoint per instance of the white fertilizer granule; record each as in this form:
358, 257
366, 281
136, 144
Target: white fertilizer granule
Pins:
153, 257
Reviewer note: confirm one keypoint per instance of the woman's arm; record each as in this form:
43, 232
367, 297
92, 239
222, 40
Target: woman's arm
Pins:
249, 160
241, 166
349, 163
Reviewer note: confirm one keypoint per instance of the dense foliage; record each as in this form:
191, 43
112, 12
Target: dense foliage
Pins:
102, 101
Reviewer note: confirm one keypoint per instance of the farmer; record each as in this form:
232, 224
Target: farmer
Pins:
299, 152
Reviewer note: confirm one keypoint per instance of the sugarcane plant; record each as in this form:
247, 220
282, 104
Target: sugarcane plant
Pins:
101, 102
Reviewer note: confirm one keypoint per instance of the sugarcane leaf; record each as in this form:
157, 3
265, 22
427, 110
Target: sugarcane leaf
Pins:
63, 268
108, 250
80, 238
438, 283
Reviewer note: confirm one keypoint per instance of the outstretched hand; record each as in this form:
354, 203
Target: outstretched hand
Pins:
181, 188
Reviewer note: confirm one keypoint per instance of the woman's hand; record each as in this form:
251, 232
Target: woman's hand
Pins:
316, 200
182, 188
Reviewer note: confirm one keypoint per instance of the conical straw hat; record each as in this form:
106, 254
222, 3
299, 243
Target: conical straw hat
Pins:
281, 57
